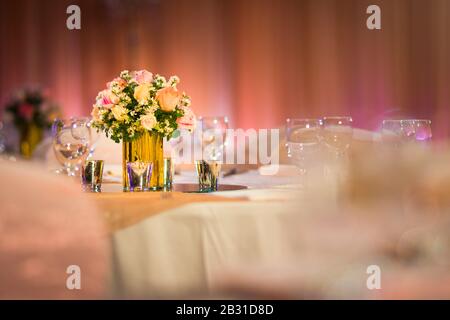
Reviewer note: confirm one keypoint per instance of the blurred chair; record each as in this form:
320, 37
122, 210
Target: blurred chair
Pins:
46, 225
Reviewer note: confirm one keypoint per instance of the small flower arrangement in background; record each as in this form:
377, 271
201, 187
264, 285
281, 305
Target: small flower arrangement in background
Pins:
138, 101
31, 106
32, 113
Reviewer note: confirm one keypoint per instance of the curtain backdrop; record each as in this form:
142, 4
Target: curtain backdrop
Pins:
256, 61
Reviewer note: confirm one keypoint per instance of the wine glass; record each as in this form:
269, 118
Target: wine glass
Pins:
95, 135
337, 134
422, 129
71, 143
213, 136
406, 130
397, 131
303, 138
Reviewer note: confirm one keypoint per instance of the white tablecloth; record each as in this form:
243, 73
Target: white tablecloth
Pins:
187, 249
286, 238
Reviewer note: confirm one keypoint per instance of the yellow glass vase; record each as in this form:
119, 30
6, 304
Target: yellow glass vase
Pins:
30, 136
148, 147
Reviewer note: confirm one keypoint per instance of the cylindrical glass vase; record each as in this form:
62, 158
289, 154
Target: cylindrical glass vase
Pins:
148, 148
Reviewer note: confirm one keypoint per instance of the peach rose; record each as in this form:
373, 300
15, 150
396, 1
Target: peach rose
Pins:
187, 121
96, 114
148, 121
168, 98
142, 93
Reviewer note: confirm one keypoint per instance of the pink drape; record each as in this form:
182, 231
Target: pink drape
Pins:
257, 61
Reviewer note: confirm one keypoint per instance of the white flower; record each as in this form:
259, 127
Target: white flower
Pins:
160, 79
119, 112
173, 81
148, 121
185, 100
125, 74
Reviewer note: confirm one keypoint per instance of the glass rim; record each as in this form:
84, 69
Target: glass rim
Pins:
337, 118
209, 161
140, 162
303, 119
225, 118
73, 118
406, 120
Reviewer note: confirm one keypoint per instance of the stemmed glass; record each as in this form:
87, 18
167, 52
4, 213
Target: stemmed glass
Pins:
71, 144
407, 130
95, 136
213, 136
337, 134
303, 139
422, 130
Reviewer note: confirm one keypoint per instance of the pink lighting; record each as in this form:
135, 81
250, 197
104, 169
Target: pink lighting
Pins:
256, 61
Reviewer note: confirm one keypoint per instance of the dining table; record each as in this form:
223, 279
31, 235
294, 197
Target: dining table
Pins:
282, 236
165, 243
280, 232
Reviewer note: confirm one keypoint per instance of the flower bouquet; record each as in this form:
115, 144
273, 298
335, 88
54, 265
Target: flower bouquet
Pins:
141, 109
31, 112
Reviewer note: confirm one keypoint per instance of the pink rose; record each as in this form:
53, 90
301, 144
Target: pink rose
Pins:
107, 99
142, 76
168, 98
26, 111
187, 121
